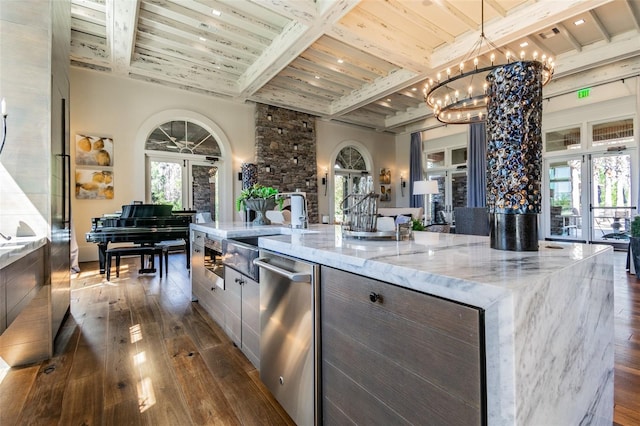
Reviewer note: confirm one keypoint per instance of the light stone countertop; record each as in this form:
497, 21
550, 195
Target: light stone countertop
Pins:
18, 247
459, 267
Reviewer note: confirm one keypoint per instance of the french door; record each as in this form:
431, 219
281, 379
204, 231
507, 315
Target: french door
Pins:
345, 183
452, 193
591, 197
187, 184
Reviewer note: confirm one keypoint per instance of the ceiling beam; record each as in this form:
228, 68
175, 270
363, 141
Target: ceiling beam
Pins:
598, 23
521, 23
294, 39
121, 19
568, 36
383, 86
636, 19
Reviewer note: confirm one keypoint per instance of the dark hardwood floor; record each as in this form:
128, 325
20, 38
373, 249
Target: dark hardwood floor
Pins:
138, 351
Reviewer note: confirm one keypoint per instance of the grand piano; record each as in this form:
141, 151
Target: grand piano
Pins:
145, 224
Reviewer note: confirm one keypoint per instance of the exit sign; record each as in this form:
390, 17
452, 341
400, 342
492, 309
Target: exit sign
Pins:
583, 93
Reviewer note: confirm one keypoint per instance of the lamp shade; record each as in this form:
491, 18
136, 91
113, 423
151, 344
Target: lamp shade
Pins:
425, 187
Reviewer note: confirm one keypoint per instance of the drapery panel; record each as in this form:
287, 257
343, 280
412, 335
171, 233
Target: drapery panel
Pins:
415, 168
477, 166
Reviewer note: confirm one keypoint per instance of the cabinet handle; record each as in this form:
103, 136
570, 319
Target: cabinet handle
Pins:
375, 297
196, 250
239, 281
213, 288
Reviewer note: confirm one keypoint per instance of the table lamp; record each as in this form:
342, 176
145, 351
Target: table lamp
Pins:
425, 187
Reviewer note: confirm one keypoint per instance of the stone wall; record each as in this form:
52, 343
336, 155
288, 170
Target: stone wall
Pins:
286, 153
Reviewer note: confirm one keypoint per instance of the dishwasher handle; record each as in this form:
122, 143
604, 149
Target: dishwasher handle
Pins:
299, 277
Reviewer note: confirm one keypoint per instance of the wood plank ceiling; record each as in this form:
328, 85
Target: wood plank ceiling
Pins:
360, 62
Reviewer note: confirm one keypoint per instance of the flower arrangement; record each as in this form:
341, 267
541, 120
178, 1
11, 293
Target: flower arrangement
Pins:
258, 191
635, 227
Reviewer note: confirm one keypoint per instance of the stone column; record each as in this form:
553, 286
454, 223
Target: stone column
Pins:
514, 155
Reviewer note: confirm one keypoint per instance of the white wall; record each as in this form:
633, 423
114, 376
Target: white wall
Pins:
118, 107
381, 146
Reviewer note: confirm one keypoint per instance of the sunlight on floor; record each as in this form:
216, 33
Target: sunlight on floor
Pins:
4, 369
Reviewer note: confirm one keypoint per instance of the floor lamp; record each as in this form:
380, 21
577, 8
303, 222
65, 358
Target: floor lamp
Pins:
426, 187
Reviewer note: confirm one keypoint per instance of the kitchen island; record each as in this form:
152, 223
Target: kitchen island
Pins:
548, 315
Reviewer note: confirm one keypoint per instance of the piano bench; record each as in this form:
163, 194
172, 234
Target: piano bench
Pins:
134, 250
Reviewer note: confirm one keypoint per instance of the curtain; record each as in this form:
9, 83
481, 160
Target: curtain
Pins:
415, 168
477, 166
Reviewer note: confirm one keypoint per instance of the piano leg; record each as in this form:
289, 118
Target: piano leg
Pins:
102, 255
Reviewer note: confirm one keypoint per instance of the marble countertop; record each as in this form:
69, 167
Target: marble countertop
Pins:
458, 267
18, 247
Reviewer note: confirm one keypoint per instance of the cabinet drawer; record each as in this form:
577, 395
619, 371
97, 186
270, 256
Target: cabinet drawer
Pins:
210, 298
412, 355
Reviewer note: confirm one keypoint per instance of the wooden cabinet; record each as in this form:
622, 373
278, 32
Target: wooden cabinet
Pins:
242, 313
26, 323
396, 356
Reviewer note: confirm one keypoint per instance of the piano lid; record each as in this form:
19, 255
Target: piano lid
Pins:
146, 210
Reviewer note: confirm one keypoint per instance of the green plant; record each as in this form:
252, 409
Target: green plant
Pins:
258, 191
416, 225
635, 227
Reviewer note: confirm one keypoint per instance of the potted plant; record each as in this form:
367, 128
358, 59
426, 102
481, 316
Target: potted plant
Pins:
634, 244
259, 198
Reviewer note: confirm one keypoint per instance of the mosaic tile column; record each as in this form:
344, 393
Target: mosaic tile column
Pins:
249, 175
514, 155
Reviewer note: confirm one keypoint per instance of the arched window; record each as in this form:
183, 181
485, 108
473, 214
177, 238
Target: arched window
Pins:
351, 175
181, 164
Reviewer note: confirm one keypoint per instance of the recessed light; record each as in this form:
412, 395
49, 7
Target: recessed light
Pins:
317, 77
414, 89
216, 12
202, 39
340, 61
579, 22
524, 44
388, 99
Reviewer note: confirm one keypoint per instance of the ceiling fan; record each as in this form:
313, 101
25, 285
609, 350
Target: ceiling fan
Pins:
182, 145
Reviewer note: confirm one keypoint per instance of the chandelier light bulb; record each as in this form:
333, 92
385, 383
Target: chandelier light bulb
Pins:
470, 90
461, 67
544, 59
493, 58
484, 87
508, 56
446, 100
438, 77
457, 95
475, 62
430, 82
535, 55
522, 55
448, 72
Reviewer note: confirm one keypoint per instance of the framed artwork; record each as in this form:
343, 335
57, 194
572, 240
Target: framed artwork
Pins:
385, 176
93, 184
94, 151
385, 193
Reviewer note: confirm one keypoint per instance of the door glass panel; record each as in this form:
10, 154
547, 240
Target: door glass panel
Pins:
166, 183
203, 189
618, 132
459, 156
458, 192
611, 197
437, 202
434, 159
562, 140
565, 183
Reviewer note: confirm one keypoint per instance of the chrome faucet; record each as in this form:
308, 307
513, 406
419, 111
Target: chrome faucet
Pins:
5, 236
299, 211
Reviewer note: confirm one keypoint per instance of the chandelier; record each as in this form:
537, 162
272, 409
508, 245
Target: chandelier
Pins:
460, 96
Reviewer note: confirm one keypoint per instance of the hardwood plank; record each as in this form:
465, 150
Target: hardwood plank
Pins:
248, 403
205, 398
82, 403
44, 401
14, 389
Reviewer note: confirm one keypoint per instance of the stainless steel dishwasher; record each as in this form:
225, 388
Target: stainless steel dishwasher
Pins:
290, 334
